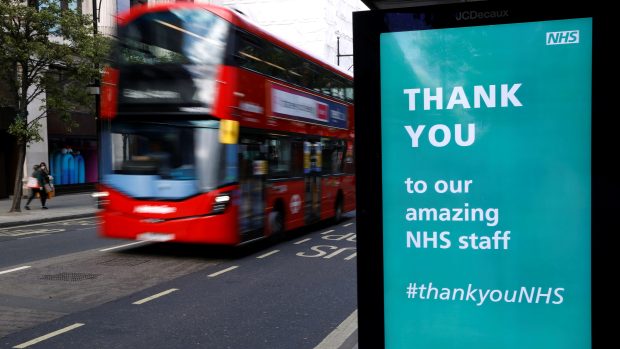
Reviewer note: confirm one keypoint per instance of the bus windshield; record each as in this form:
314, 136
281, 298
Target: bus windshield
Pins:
169, 160
177, 36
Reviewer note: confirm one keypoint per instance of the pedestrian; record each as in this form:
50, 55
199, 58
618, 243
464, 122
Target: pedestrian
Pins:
38, 175
47, 179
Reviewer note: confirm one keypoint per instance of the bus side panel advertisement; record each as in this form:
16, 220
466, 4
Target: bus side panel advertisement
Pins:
486, 163
293, 104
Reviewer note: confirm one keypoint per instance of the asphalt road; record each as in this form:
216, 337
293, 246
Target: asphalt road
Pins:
45, 240
288, 294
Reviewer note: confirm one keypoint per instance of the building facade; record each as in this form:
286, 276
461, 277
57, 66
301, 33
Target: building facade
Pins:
71, 156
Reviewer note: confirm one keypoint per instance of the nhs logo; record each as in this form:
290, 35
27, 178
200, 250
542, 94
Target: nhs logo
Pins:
561, 38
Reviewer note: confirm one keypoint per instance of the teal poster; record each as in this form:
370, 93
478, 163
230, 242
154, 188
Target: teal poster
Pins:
486, 136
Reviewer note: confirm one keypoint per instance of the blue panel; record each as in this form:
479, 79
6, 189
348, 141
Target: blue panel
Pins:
152, 186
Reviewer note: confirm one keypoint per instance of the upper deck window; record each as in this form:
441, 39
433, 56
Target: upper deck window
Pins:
264, 57
181, 36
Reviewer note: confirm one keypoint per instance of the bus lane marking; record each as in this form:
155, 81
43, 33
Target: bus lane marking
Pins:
348, 224
32, 237
338, 336
350, 237
330, 251
83, 223
327, 232
22, 232
340, 250
223, 271
62, 222
89, 228
14, 269
268, 254
302, 241
121, 246
48, 336
155, 296
351, 257
79, 221
323, 251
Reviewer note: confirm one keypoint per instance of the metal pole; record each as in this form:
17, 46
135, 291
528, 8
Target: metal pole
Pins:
95, 17
338, 50
95, 32
98, 88
338, 55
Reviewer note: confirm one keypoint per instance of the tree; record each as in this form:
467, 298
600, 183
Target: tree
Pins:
36, 38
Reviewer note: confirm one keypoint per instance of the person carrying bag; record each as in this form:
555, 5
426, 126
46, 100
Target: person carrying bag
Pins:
47, 180
37, 188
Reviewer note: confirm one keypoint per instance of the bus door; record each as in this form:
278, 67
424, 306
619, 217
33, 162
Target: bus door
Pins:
252, 174
312, 178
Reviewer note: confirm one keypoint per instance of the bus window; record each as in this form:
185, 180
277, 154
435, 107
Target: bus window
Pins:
177, 36
153, 149
339, 158
333, 156
249, 54
297, 158
326, 153
349, 160
229, 164
279, 157
348, 94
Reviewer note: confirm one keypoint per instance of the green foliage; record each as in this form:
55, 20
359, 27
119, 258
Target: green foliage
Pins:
22, 130
49, 52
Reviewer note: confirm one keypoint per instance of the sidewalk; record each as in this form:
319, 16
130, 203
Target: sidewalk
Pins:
60, 207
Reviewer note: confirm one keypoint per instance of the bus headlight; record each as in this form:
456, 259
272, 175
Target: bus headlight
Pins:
220, 203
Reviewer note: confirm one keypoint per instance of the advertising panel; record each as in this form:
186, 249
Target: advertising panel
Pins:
486, 185
296, 105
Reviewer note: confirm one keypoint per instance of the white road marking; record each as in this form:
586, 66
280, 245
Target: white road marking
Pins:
302, 241
121, 246
30, 237
346, 225
351, 256
48, 336
14, 269
50, 223
223, 271
21, 232
327, 232
87, 221
161, 294
340, 334
268, 254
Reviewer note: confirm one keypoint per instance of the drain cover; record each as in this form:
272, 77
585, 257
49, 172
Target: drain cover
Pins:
70, 276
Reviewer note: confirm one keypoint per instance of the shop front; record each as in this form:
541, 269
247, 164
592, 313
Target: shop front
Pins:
72, 155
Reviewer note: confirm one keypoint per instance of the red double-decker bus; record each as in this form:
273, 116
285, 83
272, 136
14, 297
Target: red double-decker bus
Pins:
215, 131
